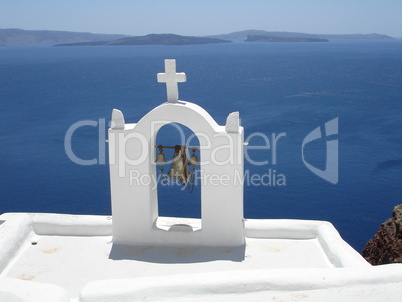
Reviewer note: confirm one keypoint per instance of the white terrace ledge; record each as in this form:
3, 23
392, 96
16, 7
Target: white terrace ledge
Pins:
75, 253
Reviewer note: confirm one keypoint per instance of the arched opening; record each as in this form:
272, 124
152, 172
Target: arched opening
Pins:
178, 203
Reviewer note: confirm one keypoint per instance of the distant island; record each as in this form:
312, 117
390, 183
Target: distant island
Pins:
153, 39
256, 38
240, 36
14, 36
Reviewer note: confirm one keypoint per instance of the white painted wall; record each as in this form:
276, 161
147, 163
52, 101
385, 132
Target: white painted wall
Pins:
369, 284
351, 279
135, 204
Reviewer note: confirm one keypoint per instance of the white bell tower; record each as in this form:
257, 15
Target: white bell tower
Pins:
132, 153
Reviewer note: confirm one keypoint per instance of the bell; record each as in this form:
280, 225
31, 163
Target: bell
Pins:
160, 158
193, 160
177, 169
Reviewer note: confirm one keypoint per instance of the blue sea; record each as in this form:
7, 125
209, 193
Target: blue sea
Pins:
278, 88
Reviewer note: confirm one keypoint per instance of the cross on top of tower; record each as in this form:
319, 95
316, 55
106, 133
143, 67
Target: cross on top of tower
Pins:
171, 78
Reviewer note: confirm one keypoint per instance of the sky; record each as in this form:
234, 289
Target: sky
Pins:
204, 17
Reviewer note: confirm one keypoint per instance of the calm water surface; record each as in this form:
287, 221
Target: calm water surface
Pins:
289, 88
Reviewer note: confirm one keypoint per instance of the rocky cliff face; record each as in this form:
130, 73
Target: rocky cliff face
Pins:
386, 246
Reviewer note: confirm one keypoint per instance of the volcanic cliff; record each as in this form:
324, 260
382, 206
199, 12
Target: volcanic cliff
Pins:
386, 246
